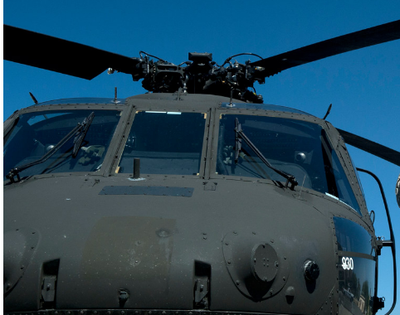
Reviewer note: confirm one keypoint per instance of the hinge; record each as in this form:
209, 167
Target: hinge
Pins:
379, 245
379, 303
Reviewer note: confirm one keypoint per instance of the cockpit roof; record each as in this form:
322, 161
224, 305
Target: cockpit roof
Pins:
191, 99
82, 100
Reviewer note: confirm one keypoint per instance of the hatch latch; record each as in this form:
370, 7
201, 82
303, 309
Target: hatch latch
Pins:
49, 289
201, 287
200, 293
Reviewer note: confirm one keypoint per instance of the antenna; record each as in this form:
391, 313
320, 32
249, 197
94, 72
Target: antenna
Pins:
327, 112
115, 96
33, 98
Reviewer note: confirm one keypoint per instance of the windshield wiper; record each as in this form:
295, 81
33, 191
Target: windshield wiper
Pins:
79, 132
239, 135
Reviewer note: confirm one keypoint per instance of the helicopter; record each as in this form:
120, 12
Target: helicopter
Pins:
194, 198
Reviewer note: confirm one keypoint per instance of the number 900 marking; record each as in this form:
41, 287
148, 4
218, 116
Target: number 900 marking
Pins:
347, 263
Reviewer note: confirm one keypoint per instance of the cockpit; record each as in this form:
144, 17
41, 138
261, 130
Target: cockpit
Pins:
179, 142
36, 134
165, 142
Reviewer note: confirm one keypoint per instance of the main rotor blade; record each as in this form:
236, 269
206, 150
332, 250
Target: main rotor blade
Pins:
367, 37
369, 146
55, 54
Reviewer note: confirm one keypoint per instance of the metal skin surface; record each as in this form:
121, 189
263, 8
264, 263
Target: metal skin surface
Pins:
101, 242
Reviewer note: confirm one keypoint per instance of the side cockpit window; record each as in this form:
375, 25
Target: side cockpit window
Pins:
338, 184
165, 143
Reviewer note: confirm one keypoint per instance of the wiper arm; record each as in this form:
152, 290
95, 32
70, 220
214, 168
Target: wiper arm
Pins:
79, 132
239, 135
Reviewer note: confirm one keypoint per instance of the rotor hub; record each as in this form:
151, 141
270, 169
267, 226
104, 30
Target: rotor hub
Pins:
200, 75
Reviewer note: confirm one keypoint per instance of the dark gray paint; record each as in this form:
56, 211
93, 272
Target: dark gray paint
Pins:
151, 251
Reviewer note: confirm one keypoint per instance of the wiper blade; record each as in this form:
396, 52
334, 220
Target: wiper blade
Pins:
239, 135
79, 132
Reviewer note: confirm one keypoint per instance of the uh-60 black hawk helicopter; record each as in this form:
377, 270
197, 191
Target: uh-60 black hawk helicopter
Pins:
197, 198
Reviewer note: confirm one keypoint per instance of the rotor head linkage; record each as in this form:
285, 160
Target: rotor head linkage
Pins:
199, 75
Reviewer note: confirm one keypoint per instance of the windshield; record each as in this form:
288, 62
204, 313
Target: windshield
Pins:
165, 143
296, 147
37, 133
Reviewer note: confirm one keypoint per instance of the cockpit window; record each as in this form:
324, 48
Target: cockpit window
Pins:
165, 143
35, 134
295, 147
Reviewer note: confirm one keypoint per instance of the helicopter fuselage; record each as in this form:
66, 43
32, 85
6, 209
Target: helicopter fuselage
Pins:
201, 225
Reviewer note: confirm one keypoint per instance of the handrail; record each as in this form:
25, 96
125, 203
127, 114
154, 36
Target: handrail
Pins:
391, 242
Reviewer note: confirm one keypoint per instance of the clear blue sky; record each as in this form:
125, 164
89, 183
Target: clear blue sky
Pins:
363, 86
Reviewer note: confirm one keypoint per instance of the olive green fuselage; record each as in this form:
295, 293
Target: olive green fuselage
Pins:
207, 241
